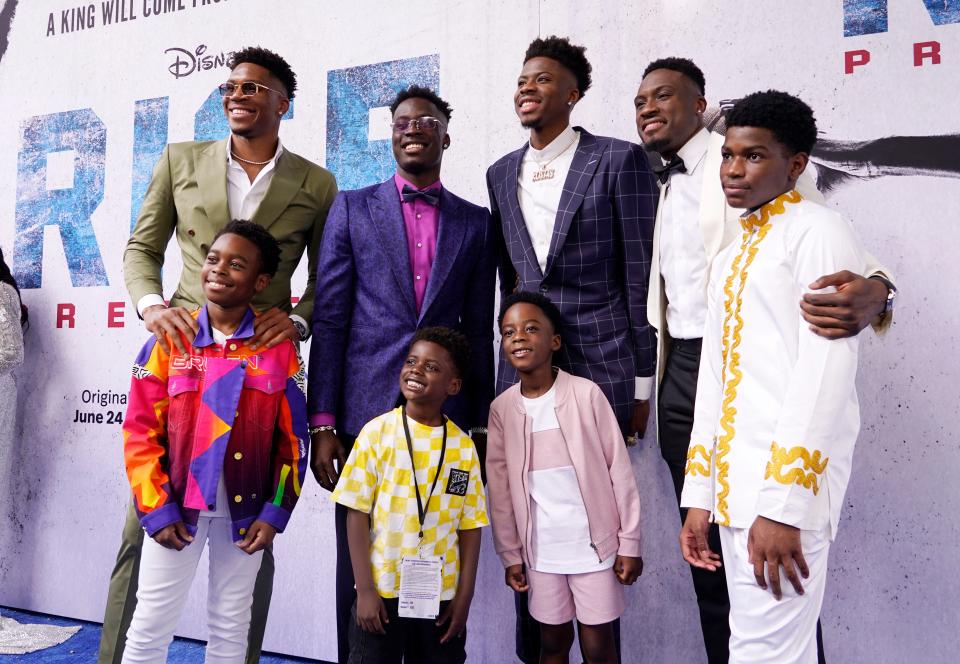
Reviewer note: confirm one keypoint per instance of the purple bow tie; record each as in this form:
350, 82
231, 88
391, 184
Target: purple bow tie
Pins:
428, 196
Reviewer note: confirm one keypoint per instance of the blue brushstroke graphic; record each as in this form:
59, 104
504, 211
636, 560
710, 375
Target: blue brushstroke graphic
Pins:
868, 17
69, 209
150, 122
351, 93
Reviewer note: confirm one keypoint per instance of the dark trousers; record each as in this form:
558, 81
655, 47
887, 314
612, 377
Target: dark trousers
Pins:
122, 597
678, 391
410, 640
345, 593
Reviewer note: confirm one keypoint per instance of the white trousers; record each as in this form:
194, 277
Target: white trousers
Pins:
165, 578
764, 630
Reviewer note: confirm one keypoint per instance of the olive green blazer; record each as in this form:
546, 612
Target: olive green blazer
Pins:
188, 195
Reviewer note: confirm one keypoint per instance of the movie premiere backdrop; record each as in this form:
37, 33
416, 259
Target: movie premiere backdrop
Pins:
93, 91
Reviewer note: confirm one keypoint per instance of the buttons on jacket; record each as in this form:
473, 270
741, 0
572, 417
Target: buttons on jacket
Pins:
544, 289
237, 498
238, 455
242, 531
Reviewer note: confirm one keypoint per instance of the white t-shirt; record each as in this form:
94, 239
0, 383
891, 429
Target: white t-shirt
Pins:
561, 532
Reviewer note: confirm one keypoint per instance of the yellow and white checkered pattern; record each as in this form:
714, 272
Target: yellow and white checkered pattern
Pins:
377, 479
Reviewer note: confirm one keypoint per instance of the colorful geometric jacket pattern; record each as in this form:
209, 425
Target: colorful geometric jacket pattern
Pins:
219, 410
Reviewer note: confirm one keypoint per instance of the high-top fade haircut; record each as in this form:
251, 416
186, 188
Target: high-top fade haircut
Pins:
683, 66
455, 343
258, 235
570, 56
539, 300
420, 92
270, 61
789, 119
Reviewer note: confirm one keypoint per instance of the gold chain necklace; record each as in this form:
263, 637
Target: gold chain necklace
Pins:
543, 173
247, 161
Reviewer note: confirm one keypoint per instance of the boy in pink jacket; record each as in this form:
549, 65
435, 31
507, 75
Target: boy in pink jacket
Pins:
561, 492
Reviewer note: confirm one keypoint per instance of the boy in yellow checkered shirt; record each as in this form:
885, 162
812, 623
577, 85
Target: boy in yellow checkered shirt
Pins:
412, 484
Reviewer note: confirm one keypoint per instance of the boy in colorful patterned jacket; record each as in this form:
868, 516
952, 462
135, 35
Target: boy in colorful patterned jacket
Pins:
776, 414
215, 451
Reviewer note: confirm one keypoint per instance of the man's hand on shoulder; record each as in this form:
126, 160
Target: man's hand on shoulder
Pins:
776, 545
856, 303
162, 321
271, 327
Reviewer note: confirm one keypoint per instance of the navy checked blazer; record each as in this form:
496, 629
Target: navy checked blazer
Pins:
598, 267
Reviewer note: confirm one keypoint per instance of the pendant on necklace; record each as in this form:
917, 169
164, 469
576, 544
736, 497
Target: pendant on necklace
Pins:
543, 174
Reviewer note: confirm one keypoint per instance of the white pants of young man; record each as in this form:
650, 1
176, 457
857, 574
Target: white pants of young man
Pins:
165, 578
764, 630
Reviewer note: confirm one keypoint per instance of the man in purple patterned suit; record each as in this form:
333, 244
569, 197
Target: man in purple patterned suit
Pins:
395, 257
576, 213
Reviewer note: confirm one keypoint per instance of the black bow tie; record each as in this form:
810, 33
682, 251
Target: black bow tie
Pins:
675, 164
428, 196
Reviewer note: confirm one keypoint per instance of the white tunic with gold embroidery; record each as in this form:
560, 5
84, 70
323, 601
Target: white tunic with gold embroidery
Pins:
776, 414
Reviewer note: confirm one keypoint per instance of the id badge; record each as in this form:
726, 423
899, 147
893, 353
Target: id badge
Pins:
421, 581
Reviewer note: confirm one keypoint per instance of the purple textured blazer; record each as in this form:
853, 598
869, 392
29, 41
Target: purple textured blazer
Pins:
365, 314
598, 268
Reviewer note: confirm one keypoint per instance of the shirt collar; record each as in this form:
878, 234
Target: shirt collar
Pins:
554, 147
273, 159
694, 150
400, 182
762, 215
204, 336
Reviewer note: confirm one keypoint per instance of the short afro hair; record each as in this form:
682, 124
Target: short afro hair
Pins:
683, 66
789, 118
270, 61
420, 92
455, 343
260, 236
542, 302
570, 56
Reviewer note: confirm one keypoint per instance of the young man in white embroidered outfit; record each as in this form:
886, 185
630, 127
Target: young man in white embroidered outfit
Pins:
776, 413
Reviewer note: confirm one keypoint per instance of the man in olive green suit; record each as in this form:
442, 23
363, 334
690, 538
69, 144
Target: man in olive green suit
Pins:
196, 189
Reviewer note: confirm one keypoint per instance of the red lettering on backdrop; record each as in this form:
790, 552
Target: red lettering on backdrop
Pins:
66, 312
853, 59
114, 314
926, 51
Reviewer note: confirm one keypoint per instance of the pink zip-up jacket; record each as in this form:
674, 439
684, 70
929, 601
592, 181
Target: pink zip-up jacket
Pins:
600, 459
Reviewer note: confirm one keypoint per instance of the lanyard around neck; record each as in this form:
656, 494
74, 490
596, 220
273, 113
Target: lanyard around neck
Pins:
421, 509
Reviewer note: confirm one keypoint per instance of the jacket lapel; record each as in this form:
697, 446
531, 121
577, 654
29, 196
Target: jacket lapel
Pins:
387, 219
451, 230
585, 162
210, 165
512, 213
288, 177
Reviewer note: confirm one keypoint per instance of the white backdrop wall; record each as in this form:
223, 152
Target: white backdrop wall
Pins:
87, 110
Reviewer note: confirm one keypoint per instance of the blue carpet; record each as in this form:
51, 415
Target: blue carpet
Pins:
82, 646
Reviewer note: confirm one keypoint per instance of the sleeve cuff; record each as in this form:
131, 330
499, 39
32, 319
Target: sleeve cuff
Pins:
149, 301
302, 326
511, 557
275, 516
644, 388
160, 518
629, 548
322, 420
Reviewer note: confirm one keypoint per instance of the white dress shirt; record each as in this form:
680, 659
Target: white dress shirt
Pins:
540, 200
243, 199
683, 258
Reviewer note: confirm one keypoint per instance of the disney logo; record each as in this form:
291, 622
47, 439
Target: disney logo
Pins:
186, 62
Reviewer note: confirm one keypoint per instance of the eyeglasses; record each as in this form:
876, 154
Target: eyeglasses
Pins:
247, 89
426, 123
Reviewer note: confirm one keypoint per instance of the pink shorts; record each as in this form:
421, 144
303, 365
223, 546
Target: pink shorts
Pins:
593, 598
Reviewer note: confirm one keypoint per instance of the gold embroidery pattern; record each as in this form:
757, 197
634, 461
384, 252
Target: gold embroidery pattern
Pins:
781, 457
731, 375
777, 206
694, 467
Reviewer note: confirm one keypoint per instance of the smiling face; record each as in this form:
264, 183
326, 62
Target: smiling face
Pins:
756, 167
429, 375
419, 150
259, 114
231, 274
528, 338
669, 110
546, 91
